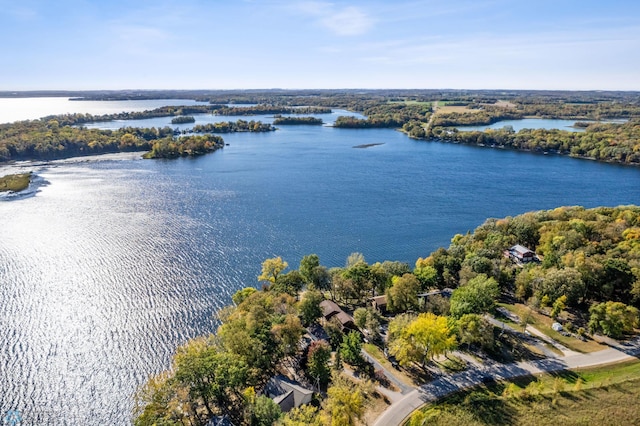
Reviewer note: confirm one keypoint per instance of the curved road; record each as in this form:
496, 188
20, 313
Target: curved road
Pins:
399, 411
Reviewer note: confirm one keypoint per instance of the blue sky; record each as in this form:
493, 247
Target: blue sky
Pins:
213, 44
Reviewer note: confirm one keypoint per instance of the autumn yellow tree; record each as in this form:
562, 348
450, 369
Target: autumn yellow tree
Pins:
271, 268
422, 339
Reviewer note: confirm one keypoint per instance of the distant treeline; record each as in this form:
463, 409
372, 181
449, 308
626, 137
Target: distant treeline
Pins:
231, 127
386, 115
47, 139
270, 109
297, 120
612, 142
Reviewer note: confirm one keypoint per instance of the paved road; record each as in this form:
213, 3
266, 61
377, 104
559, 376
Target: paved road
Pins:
397, 412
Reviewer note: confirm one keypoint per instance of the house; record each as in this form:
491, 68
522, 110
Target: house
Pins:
331, 309
287, 393
379, 303
522, 254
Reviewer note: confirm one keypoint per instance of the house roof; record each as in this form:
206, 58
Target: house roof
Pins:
521, 250
286, 393
380, 300
329, 308
344, 318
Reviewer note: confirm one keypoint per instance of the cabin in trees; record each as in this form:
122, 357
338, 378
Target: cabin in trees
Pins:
521, 254
286, 393
332, 310
379, 303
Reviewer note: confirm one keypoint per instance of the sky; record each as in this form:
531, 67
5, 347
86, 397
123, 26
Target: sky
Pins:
252, 44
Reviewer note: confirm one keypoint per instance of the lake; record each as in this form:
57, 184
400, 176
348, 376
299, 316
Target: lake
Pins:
535, 123
115, 262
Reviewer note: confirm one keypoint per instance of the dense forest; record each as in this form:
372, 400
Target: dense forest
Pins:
270, 109
613, 142
47, 139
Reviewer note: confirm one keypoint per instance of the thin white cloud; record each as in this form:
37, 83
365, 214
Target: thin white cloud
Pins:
342, 21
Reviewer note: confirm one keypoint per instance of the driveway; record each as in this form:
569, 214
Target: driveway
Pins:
399, 411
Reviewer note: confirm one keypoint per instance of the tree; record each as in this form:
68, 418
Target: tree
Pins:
613, 319
402, 296
305, 415
472, 329
209, 375
478, 296
240, 295
260, 410
290, 283
351, 349
562, 282
558, 306
426, 274
288, 334
318, 362
367, 320
344, 404
423, 339
357, 283
308, 265
309, 307
271, 269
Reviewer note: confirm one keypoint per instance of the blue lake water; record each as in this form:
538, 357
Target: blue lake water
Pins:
534, 123
115, 262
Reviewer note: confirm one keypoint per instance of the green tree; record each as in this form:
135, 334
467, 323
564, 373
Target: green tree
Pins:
472, 329
210, 376
271, 269
558, 306
290, 283
478, 296
260, 410
318, 362
240, 295
427, 275
424, 338
309, 307
613, 318
402, 296
351, 349
308, 264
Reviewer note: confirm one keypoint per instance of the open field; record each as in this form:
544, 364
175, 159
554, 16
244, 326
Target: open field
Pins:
457, 109
603, 396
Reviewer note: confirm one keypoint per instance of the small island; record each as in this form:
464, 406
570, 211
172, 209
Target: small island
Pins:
186, 146
232, 127
15, 183
182, 119
279, 119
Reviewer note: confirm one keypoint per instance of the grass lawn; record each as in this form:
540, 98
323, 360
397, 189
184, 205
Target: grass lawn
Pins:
15, 183
543, 323
602, 396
